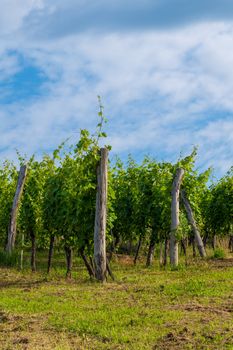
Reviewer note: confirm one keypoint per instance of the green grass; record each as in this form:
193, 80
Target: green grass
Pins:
219, 253
9, 260
191, 308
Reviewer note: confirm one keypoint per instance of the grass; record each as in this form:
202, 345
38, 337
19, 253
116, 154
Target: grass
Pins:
9, 260
219, 253
191, 308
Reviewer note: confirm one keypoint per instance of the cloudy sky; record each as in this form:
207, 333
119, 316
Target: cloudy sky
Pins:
164, 70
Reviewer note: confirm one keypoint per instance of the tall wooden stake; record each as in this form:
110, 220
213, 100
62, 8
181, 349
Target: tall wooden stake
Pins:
21, 252
174, 259
193, 224
100, 217
15, 207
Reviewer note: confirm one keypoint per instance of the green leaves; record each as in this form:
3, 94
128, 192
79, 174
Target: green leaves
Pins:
60, 195
218, 206
8, 180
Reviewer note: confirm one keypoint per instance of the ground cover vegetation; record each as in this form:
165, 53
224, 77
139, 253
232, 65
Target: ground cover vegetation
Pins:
152, 209
144, 308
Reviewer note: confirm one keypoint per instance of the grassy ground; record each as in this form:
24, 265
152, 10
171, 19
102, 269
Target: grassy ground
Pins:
191, 308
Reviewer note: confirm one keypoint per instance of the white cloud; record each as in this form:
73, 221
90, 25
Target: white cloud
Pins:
13, 13
164, 91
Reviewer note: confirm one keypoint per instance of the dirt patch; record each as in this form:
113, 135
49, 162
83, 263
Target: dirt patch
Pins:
25, 340
187, 339
39, 340
26, 286
176, 340
33, 333
21, 341
217, 309
3, 317
123, 259
7, 318
221, 263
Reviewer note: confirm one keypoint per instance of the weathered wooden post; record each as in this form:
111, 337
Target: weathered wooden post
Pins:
69, 255
15, 207
151, 250
33, 251
174, 259
100, 217
192, 222
21, 252
50, 255
166, 250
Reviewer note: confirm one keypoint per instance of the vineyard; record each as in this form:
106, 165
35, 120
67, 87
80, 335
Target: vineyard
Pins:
112, 221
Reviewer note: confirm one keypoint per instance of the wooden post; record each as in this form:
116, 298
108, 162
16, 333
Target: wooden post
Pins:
21, 252
151, 250
15, 207
161, 254
100, 217
110, 271
174, 259
87, 264
214, 241
166, 250
69, 255
192, 222
138, 249
33, 251
230, 244
51, 247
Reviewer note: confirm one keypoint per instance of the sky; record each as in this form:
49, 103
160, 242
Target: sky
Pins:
163, 69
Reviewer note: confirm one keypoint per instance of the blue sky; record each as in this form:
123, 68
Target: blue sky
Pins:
162, 67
